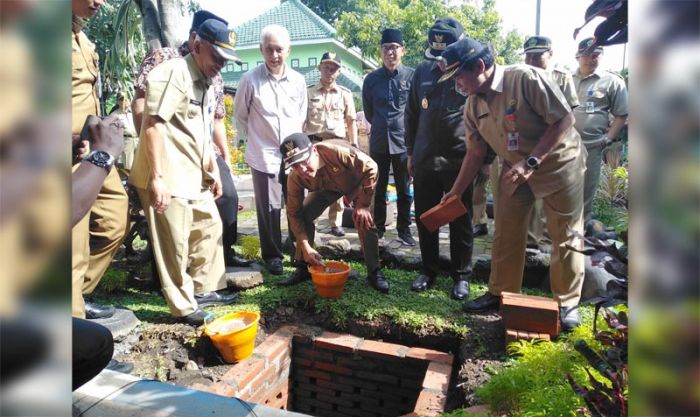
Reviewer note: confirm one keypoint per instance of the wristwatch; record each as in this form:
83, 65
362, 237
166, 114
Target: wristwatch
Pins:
101, 158
532, 162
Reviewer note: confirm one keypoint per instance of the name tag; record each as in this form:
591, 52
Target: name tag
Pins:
513, 141
195, 102
590, 107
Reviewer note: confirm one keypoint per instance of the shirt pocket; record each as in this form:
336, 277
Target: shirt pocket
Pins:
193, 111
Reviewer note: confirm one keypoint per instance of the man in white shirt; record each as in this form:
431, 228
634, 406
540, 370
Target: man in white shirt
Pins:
270, 105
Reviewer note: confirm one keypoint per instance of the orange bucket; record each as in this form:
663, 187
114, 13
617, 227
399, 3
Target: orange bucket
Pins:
330, 279
234, 334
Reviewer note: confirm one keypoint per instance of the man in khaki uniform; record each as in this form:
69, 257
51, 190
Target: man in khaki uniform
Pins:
97, 237
538, 53
602, 94
177, 178
329, 170
331, 115
525, 119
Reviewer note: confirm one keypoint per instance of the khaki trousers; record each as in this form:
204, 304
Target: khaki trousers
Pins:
314, 204
127, 156
594, 161
97, 238
537, 225
333, 210
188, 249
564, 211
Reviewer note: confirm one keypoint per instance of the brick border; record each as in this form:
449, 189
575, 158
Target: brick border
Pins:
264, 377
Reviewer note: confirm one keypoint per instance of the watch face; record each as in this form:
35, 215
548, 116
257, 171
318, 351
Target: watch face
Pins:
532, 162
101, 157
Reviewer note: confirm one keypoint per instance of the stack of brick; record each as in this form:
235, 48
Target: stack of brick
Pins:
340, 376
529, 317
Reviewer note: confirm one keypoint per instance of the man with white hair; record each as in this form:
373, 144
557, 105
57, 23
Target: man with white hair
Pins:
270, 105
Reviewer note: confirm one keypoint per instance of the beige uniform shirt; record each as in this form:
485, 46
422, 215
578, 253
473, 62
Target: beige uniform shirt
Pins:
566, 84
329, 111
85, 64
181, 95
601, 94
527, 93
345, 170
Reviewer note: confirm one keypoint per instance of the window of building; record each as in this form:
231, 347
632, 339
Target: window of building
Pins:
259, 63
313, 62
244, 67
295, 63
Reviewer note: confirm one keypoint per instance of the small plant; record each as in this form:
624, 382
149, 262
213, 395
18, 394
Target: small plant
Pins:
250, 247
610, 201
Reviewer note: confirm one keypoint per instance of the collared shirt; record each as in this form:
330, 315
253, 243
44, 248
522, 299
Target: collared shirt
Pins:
601, 94
269, 110
180, 94
84, 72
161, 55
434, 121
565, 82
329, 111
384, 96
345, 170
527, 93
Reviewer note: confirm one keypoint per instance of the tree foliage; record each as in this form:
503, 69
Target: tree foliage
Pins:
330, 10
362, 27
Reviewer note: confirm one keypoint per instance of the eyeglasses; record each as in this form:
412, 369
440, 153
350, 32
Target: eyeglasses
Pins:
390, 48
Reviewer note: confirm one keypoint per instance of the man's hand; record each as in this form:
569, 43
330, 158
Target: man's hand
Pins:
519, 173
311, 256
362, 218
160, 195
482, 176
409, 165
216, 188
80, 148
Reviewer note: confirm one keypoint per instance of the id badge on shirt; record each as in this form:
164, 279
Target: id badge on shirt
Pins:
590, 107
513, 141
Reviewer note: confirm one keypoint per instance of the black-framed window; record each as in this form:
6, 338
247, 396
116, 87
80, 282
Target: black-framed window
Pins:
244, 67
295, 63
313, 62
259, 63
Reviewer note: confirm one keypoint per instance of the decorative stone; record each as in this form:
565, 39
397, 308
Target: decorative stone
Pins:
191, 366
243, 278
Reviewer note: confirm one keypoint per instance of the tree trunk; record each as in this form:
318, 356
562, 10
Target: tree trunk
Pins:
170, 16
150, 19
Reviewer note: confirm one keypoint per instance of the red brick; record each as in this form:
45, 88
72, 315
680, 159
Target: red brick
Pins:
263, 379
381, 349
430, 355
242, 373
304, 339
333, 369
302, 362
315, 374
223, 389
430, 403
356, 413
273, 347
338, 342
411, 383
314, 354
335, 386
357, 363
332, 399
437, 376
374, 376
530, 313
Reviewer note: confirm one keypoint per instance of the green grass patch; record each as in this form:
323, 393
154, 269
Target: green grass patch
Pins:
246, 215
431, 310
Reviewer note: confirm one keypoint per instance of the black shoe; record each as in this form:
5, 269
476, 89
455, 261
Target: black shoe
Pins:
95, 311
422, 283
214, 298
406, 238
196, 318
481, 230
337, 231
378, 281
300, 275
237, 261
485, 302
460, 289
380, 234
569, 318
274, 266
118, 366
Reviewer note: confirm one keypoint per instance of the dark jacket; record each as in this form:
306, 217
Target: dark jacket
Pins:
434, 135
384, 98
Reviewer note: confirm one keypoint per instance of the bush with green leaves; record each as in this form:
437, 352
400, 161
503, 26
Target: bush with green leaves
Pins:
610, 201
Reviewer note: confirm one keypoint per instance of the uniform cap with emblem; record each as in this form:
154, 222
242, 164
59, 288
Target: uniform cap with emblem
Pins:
330, 57
537, 45
588, 47
391, 36
220, 37
200, 16
295, 148
459, 55
444, 33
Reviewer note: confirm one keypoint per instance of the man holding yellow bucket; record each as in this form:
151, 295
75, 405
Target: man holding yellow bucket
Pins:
329, 170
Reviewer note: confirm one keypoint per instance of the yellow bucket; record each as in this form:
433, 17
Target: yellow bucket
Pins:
234, 334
